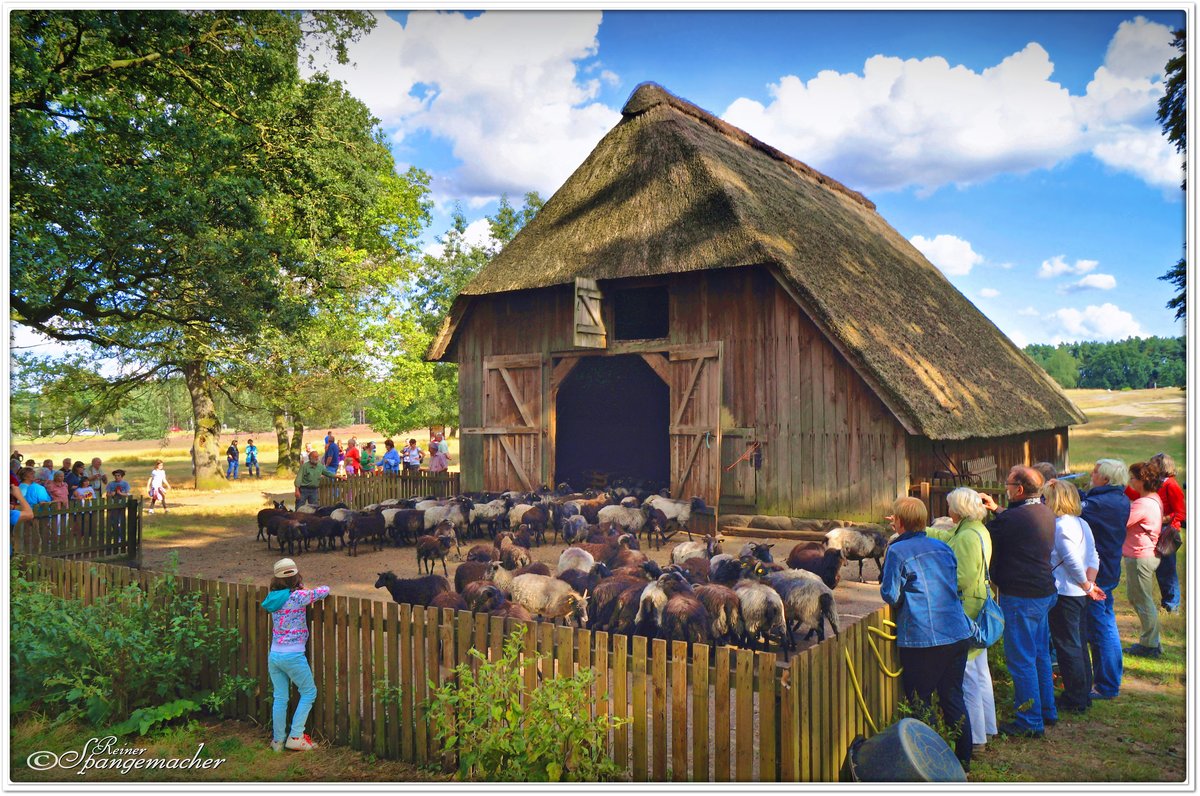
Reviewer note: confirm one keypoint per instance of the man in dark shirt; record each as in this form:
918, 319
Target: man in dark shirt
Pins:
1022, 540
1105, 508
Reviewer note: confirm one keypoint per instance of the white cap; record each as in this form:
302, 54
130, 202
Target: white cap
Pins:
285, 568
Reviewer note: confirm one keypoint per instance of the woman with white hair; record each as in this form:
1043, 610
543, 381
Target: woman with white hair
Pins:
972, 546
1105, 508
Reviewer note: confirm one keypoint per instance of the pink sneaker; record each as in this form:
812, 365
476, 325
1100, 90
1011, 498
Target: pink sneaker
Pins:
301, 744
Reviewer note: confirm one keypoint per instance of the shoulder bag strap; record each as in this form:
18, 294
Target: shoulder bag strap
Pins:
987, 578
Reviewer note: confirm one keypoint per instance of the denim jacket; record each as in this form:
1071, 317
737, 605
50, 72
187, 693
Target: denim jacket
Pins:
920, 580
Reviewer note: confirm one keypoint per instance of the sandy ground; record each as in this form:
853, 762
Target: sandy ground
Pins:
233, 554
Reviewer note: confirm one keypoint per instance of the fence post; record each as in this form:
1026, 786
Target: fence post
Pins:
925, 497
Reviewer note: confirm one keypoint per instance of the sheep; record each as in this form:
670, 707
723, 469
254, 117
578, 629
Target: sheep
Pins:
474, 589
429, 549
513, 555
585, 581
575, 558
629, 519
656, 527
416, 591
307, 508
523, 536
695, 570
685, 619
449, 599
943, 524
404, 525
827, 563
724, 612
328, 511
757, 550
538, 518
340, 514
489, 513
678, 513
492, 601
325, 530
456, 510
627, 558
629, 541
549, 598
590, 508
483, 552
289, 531
706, 549
467, 572
278, 510
763, 614
389, 502
604, 599
503, 577
574, 529
859, 544
807, 601
654, 600
365, 526
724, 569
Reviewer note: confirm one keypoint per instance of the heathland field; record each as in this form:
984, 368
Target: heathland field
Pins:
1139, 737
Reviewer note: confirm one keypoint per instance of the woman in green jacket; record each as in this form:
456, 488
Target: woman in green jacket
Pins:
972, 546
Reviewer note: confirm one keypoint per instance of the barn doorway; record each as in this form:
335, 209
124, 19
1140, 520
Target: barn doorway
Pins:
613, 414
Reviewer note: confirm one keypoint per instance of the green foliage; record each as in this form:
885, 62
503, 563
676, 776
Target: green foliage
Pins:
1172, 115
130, 660
930, 714
1136, 363
551, 738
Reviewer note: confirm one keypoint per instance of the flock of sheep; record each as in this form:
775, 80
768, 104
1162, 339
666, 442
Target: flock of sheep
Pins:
602, 581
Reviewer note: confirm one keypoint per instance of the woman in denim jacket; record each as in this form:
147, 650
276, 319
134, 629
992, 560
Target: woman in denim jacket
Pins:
920, 580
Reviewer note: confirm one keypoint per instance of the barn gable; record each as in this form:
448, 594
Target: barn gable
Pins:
672, 189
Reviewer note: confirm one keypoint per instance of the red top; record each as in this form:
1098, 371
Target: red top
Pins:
353, 454
1174, 506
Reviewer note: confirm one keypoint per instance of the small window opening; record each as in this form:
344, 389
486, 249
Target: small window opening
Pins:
641, 313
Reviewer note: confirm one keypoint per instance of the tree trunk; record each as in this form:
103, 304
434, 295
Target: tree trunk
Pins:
206, 445
297, 442
286, 460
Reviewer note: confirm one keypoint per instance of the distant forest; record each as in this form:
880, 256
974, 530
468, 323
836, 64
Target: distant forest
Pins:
1133, 364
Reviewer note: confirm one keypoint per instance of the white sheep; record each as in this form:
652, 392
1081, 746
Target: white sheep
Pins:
678, 512
516, 513
859, 544
549, 598
630, 519
307, 508
576, 558
705, 549
763, 613
489, 513
808, 601
654, 600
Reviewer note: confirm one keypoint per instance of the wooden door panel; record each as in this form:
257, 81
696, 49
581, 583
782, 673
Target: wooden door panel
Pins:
513, 421
695, 383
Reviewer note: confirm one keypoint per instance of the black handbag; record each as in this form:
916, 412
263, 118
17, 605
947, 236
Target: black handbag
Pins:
1169, 540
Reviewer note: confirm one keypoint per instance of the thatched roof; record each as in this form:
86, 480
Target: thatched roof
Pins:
673, 189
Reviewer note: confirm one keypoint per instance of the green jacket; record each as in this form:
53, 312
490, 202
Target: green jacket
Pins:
309, 475
965, 543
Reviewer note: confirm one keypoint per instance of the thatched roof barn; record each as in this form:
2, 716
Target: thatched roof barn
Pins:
830, 340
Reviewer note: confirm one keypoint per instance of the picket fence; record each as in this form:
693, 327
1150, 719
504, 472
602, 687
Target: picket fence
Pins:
715, 715
357, 491
102, 528
933, 494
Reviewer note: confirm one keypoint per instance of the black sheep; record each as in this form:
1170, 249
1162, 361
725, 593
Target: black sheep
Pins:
467, 572
685, 619
429, 549
365, 526
268, 521
415, 591
448, 599
585, 582
825, 563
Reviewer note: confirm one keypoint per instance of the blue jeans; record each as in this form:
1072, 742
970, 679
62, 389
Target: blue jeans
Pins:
252, 466
1027, 651
285, 667
1168, 581
1105, 643
232, 467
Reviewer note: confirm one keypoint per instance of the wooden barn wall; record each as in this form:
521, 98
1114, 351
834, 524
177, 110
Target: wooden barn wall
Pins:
926, 456
830, 447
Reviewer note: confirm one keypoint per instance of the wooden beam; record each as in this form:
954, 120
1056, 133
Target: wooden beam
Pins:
696, 351
526, 415
659, 365
561, 370
512, 458
499, 430
512, 361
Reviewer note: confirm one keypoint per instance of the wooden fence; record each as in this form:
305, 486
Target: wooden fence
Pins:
103, 528
723, 715
357, 491
933, 494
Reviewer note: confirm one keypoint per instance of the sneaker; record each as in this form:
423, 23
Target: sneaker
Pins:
1049, 722
301, 744
276, 746
1098, 695
1144, 652
1014, 729
149, 511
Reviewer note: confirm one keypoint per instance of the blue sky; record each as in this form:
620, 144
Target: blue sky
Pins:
1017, 149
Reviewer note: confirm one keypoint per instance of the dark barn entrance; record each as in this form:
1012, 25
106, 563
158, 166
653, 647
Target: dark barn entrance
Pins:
612, 417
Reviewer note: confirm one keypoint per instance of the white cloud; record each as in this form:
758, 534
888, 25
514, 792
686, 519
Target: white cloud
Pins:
1104, 322
927, 123
952, 255
1095, 282
477, 233
1020, 340
1058, 265
1029, 312
503, 89
989, 292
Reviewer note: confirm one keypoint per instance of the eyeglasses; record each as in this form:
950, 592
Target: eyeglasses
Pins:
1011, 483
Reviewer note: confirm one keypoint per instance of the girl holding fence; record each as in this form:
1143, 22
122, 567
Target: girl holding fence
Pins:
286, 663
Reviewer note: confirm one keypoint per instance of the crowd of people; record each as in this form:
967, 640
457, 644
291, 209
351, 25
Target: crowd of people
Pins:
75, 481
1053, 556
341, 461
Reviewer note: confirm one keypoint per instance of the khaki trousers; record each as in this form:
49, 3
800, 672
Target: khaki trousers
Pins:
1139, 582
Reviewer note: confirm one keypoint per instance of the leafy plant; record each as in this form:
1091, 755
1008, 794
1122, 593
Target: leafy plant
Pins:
931, 714
131, 658
552, 737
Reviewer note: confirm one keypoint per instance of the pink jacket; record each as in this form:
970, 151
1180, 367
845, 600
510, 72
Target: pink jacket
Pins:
1145, 523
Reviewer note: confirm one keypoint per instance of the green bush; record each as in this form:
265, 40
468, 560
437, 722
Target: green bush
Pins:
552, 738
127, 662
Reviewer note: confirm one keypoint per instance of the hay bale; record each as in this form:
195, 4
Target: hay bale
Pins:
733, 520
767, 523
801, 524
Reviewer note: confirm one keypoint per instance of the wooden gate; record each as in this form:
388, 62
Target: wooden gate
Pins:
512, 422
693, 374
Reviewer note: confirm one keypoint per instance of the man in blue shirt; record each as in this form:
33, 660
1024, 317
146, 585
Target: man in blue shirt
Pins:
1105, 508
920, 580
34, 492
332, 452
